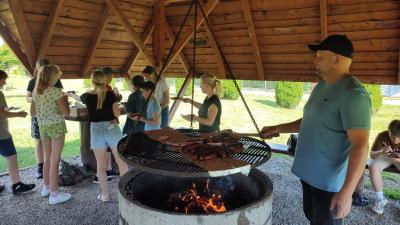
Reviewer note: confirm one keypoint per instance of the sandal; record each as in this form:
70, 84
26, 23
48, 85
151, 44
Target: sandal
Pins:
101, 198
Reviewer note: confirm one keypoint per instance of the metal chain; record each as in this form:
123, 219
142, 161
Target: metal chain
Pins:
230, 71
194, 60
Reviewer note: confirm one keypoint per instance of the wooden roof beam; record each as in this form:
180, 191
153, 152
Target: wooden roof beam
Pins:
135, 53
323, 9
128, 26
95, 42
213, 43
23, 31
13, 44
253, 39
159, 33
49, 28
398, 70
188, 32
182, 58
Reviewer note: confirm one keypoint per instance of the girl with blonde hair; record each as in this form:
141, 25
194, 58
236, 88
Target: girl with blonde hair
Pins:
104, 131
210, 110
50, 105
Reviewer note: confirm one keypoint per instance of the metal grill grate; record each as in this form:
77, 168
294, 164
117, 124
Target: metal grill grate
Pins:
165, 160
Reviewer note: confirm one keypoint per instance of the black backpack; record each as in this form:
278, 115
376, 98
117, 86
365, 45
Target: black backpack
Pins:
292, 142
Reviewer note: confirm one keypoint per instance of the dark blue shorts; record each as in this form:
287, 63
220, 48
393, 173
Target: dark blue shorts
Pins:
7, 147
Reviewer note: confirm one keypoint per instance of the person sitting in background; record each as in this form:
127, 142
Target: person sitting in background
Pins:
35, 133
161, 93
210, 111
134, 106
385, 152
153, 118
7, 148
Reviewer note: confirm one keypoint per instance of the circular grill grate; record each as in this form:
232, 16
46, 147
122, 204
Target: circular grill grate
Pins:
164, 160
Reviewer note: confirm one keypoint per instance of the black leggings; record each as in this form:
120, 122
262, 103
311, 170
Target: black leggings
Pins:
316, 206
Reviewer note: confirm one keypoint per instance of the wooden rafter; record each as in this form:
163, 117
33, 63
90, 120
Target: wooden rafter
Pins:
128, 26
398, 70
253, 39
182, 58
13, 44
213, 43
135, 53
49, 28
159, 32
189, 31
23, 31
323, 8
96, 40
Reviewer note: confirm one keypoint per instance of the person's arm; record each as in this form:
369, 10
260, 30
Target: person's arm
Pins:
63, 104
341, 201
6, 114
28, 96
116, 110
194, 103
378, 147
165, 99
154, 121
212, 114
74, 96
272, 131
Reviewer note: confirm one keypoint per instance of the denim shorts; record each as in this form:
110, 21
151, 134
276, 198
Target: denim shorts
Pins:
104, 134
7, 147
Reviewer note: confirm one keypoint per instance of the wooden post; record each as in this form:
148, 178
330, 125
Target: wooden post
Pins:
87, 155
181, 93
159, 33
324, 18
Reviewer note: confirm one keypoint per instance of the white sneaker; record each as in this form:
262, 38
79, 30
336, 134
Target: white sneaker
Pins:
59, 198
379, 205
45, 192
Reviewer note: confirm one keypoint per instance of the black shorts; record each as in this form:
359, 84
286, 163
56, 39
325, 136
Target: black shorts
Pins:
7, 147
35, 128
316, 206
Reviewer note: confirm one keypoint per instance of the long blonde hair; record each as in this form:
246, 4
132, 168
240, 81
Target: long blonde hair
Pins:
99, 85
47, 76
213, 82
40, 63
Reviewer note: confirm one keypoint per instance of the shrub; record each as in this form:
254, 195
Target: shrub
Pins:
374, 91
229, 89
179, 83
288, 94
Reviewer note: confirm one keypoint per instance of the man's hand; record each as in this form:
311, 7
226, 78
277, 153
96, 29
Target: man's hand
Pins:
270, 132
341, 205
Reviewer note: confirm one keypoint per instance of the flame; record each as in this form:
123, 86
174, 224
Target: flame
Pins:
194, 201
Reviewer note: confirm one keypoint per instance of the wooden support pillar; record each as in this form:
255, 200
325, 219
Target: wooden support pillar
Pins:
159, 33
181, 93
323, 8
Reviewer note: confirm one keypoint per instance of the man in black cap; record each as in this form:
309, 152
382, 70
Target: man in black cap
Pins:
333, 134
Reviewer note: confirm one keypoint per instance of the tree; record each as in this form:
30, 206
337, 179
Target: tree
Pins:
8, 59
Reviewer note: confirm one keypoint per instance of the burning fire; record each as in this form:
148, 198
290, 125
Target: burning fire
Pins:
193, 201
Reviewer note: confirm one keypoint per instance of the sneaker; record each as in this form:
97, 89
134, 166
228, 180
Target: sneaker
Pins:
45, 192
2, 187
20, 188
96, 180
112, 173
379, 205
360, 200
59, 198
39, 173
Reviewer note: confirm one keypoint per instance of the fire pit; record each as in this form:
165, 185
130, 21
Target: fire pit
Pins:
147, 198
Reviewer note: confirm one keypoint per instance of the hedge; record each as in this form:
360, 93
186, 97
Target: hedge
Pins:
288, 94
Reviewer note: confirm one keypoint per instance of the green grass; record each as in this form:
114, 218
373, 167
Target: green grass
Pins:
392, 193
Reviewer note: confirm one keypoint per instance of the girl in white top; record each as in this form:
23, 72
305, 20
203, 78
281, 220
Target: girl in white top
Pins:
50, 105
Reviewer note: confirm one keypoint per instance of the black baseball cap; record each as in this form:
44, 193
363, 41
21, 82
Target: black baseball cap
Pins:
148, 70
107, 70
336, 43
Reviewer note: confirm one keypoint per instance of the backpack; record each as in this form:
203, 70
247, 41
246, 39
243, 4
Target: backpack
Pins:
292, 142
69, 174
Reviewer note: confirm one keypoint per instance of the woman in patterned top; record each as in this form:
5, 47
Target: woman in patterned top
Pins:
50, 106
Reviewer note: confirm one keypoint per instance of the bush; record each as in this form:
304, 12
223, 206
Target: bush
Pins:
229, 89
179, 83
288, 94
374, 91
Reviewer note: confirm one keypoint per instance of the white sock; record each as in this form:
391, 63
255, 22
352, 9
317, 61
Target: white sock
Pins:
379, 195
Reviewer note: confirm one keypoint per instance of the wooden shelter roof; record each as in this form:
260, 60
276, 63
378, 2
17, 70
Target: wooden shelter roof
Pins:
261, 39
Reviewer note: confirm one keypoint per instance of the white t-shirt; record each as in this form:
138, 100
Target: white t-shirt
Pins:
161, 87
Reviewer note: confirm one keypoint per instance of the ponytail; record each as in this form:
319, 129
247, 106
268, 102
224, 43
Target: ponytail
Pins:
213, 83
99, 84
218, 88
